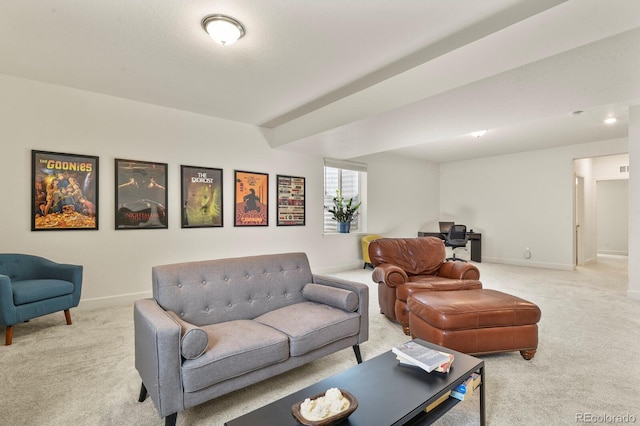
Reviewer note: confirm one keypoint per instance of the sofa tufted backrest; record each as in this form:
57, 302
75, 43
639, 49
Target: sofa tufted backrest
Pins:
415, 256
213, 291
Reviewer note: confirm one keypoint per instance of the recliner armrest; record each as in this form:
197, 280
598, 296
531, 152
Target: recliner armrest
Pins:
389, 274
459, 271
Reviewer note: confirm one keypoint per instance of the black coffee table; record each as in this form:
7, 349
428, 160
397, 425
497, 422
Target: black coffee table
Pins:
387, 393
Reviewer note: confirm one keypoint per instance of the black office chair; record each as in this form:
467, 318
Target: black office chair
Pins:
456, 238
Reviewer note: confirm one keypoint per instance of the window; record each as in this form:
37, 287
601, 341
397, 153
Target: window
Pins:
350, 179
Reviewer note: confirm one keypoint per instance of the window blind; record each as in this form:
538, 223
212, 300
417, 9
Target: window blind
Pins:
344, 176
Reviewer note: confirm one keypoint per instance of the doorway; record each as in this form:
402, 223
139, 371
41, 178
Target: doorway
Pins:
598, 204
579, 210
612, 217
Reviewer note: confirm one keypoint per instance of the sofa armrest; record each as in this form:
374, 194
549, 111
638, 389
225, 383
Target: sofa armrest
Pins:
62, 271
459, 271
7, 308
157, 355
389, 274
362, 290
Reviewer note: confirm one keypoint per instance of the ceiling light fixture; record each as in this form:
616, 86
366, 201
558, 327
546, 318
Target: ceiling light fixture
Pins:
223, 29
610, 120
479, 133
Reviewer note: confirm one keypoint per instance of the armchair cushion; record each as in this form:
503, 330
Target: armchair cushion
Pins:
332, 296
193, 339
29, 291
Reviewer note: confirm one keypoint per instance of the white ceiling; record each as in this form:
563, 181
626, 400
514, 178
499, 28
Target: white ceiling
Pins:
346, 78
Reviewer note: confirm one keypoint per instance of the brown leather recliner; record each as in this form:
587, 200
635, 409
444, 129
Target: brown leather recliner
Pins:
404, 266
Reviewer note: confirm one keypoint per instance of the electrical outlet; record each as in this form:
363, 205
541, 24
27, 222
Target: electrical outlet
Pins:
527, 253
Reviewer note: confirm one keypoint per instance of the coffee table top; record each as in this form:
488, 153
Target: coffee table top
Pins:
387, 393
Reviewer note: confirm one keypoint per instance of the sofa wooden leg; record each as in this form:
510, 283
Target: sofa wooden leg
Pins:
67, 316
170, 420
405, 328
9, 335
528, 354
143, 393
356, 350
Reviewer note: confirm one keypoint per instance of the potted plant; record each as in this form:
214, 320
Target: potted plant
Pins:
343, 212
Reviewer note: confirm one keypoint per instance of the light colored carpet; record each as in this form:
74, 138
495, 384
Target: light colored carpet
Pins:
586, 366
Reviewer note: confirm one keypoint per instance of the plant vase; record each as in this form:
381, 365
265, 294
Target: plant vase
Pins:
344, 227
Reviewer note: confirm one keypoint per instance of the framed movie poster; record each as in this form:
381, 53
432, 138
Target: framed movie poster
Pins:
291, 203
201, 197
64, 191
141, 195
251, 199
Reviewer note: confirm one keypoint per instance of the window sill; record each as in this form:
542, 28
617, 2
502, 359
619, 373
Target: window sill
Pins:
357, 233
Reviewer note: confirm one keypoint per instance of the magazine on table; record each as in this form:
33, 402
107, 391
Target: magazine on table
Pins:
414, 354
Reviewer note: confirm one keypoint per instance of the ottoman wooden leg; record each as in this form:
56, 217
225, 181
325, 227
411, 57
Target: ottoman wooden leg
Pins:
528, 354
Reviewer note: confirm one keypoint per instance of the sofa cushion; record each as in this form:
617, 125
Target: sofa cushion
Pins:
29, 291
332, 296
193, 339
237, 347
311, 325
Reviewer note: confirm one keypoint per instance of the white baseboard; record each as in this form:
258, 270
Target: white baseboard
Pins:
614, 252
110, 301
340, 268
633, 294
529, 263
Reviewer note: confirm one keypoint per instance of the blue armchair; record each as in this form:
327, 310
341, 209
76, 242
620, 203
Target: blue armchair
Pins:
32, 286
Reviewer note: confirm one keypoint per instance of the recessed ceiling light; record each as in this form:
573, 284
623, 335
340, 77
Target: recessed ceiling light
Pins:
223, 29
610, 120
479, 133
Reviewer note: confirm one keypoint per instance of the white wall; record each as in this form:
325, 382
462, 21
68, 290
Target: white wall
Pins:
520, 201
613, 217
516, 201
634, 203
118, 263
608, 167
407, 190
611, 189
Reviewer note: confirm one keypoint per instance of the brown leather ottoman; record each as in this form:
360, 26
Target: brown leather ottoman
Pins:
431, 284
475, 321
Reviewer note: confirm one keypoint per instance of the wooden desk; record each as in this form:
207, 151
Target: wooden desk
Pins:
474, 237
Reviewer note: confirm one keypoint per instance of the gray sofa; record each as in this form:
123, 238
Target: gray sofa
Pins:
216, 326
